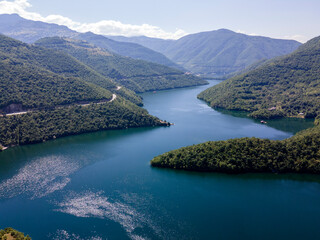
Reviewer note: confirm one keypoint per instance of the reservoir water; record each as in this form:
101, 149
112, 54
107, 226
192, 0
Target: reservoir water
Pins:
101, 186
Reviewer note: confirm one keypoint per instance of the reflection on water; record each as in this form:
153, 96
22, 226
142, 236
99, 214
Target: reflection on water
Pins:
39, 178
96, 205
291, 125
65, 235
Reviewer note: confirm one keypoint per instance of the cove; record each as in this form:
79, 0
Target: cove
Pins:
100, 185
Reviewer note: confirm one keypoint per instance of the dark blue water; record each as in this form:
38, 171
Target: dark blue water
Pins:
100, 185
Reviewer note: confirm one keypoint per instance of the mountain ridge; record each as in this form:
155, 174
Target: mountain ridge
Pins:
137, 75
30, 31
218, 53
287, 86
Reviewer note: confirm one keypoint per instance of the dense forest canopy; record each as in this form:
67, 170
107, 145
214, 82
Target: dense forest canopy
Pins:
49, 124
41, 73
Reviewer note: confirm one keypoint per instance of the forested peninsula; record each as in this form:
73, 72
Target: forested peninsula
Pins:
286, 87
298, 154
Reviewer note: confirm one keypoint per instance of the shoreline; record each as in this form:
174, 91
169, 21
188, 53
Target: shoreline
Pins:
162, 124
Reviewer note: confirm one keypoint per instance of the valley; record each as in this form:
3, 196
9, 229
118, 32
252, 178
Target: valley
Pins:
114, 130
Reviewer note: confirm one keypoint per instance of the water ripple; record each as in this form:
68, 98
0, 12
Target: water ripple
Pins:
65, 235
96, 205
39, 178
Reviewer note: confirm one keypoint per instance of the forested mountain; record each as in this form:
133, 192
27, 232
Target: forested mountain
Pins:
30, 31
58, 63
136, 75
132, 50
218, 53
50, 94
26, 79
289, 86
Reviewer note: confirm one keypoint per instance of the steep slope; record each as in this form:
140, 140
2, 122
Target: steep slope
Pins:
62, 64
289, 86
136, 75
44, 94
132, 50
221, 52
218, 53
30, 31
25, 84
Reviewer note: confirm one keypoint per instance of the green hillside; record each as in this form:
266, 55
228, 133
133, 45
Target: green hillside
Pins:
29, 86
286, 87
46, 94
133, 50
59, 63
40, 126
137, 75
53, 61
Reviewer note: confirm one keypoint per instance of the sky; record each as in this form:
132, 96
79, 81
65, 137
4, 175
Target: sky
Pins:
172, 19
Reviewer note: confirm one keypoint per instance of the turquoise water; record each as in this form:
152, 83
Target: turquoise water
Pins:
100, 185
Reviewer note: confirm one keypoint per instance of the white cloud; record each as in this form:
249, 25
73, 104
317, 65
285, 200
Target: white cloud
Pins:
110, 27
104, 27
250, 34
298, 38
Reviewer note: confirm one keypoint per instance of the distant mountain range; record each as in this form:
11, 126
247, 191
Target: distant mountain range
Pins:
29, 31
217, 53
284, 87
214, 54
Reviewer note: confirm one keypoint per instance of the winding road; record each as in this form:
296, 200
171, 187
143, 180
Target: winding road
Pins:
114, 96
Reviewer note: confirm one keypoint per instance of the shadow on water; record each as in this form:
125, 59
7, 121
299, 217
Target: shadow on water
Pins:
237, 177
291, 125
